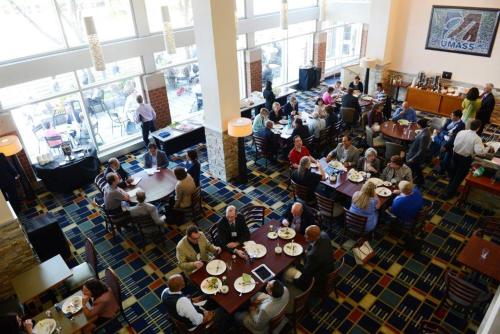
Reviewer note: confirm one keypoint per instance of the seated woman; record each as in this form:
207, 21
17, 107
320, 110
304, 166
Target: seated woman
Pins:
366, 203
396, 171
305, 177
193, 166
11, 323
102, 301
369, 163
259, 122
320, 107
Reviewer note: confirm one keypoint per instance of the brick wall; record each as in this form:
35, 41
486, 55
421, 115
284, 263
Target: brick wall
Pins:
253, 69
159, 101
319, 51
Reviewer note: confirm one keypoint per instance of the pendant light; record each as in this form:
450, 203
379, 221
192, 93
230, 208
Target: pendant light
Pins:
94, 44
168, 34
284, 15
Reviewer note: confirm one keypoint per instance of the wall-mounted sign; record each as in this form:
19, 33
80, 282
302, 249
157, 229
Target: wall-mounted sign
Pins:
467, 30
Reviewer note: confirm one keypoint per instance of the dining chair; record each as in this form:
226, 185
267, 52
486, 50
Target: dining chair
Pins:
148, 228
462, 293
348, 116
300, 306
254, 215
429, 327
100, 182
354, 224
337, 132
323, 141
113, 282
182, 328
392, 149
377, 143
490, 226
116, 220
332, 280
261, 149
278, 322
302, 193
326, 207
196, 204
410, 227
213, 232
84, 271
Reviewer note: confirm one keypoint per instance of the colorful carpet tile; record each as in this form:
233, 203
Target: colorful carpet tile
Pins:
392, 293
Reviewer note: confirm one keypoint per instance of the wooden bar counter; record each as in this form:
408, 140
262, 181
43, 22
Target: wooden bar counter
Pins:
433, 102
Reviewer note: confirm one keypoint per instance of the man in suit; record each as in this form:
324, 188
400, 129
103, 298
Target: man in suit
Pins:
442, 143
264, 307
291, 108
8, 183
345, 152
192, 249
349, 101
233, 232
271, 140
146, 209
405, 112
115, 167
417, 153
487, 106
155, 157
298, 217
318, 262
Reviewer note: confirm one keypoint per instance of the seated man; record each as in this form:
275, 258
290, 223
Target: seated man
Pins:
442, 142
233, 232
292, 107
380, 95
305, 177
298, 151
192, 249
114, 195
184, 188
298, 217
276, 113
115, 167
408, 203
318, 261
184, 309
271, 140
146, 209
396, 171
264, 307
300, 129
345, 152
350, 101
405, 112
155, 158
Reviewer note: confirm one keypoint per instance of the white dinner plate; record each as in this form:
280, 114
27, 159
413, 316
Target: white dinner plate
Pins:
216, 267
386, 183
355, 177
293, 249
272, 235
72, 304
383, 192
45, 326
337, 164
376, 181
286, 233
403, 122
278, 126
242, 287
283, 121
210, 285
256, 251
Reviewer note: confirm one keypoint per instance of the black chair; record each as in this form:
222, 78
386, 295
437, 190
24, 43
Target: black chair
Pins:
309, 142
182, 328
301, 306
148, 228
277, 321
326, 206
323, 142
254, 215
117, 220
213, 232
301, 193
410, 227
332, 280
490, 226
261, 149
100, 182
337, 132
84, 271
392, 149
348, 116
377, 143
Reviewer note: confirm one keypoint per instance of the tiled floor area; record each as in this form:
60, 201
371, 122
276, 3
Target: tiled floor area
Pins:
391, 294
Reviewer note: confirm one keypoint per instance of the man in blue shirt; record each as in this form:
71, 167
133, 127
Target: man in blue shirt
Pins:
405, 112
408, 203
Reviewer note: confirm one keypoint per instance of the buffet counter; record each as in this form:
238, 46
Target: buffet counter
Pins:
437, 103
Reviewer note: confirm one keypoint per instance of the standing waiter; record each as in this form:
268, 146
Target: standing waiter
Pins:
145, 115
8, 182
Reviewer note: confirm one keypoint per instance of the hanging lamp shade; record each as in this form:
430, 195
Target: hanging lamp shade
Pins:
323, 10
239, 127
284, 15
10, 145
94, 44
168, 34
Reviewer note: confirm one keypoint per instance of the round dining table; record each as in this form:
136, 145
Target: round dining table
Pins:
157, 186
395, 130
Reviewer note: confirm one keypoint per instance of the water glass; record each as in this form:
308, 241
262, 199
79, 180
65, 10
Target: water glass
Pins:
484, 253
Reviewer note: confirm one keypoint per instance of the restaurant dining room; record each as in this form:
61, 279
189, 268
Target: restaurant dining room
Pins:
249, 166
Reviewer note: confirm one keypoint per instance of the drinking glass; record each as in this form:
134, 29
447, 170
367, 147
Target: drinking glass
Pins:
484, 253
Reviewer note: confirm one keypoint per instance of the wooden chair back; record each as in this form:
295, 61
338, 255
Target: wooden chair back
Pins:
300, 302
392, 149
196, 203
354, 224
308, 142
213, 232
325, 205
183, 329
118, 219
332, 278
417, 224
91, 256
324, 139
100, 182
429, 327
301, 192
461, 291
275, 322
347, 115
489, 225
260, 143
254, 215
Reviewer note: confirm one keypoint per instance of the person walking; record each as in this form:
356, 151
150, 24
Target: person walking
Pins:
145, 115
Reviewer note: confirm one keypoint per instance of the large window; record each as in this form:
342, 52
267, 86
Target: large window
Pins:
241, 74
272, 6
182, 55
343, 44
300, 50
183, 90
28, 27
111, 111
274, 63
275, 34
116, 70
46, 126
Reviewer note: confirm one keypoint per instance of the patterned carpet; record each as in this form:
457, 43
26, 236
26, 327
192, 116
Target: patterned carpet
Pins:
391, 294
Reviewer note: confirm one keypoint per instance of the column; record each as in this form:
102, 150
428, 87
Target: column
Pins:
253, 69
156, 90
215, 34
319, 51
